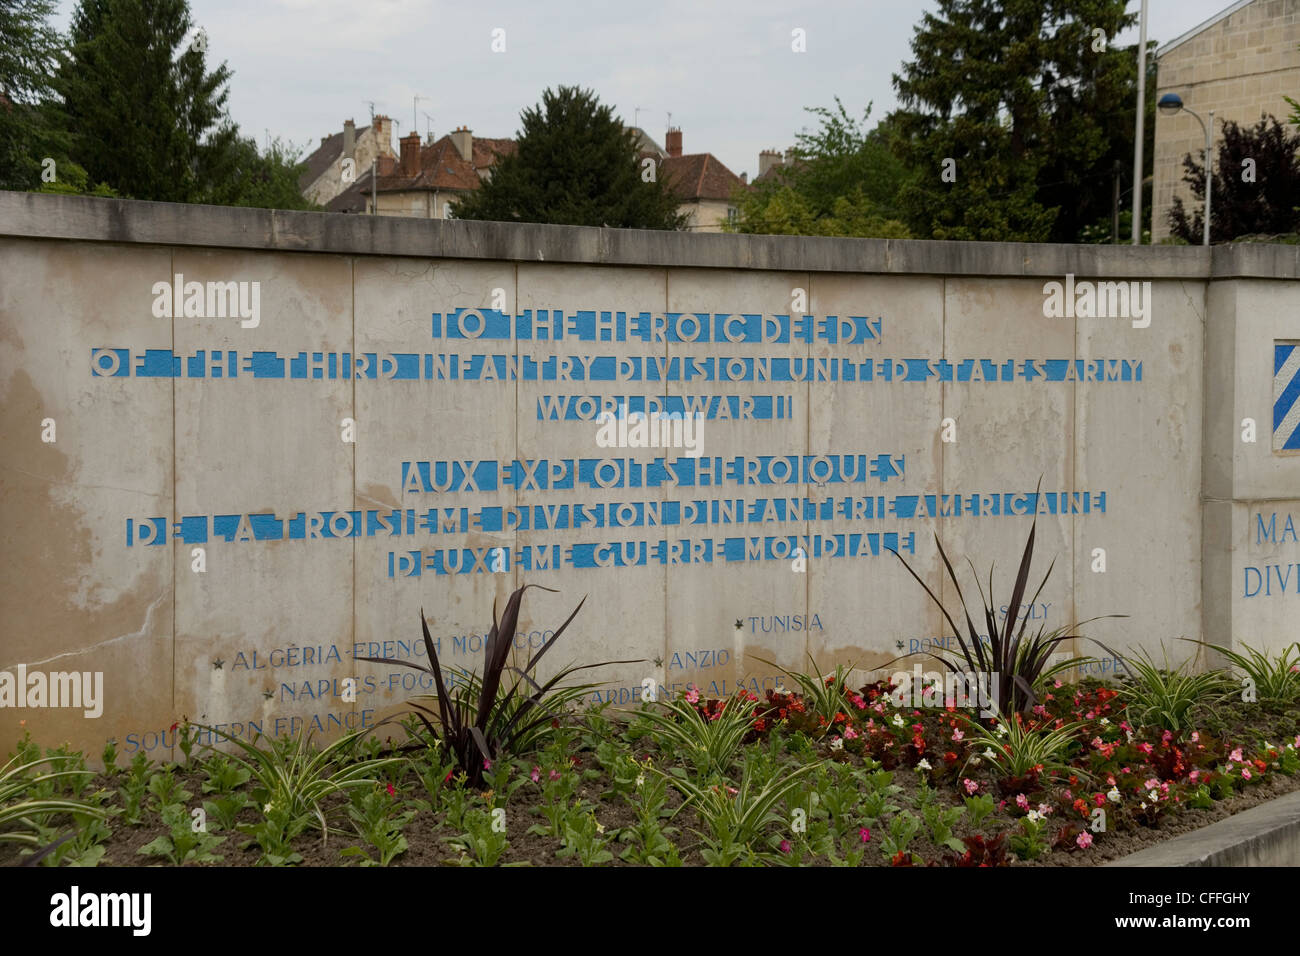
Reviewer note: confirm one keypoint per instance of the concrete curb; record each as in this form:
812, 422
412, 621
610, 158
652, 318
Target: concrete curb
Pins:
1266, 835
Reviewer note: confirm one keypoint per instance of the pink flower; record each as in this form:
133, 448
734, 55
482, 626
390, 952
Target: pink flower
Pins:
864, 834
1245, 773
693, 695
555, 775
1096, 742
536, 774
1235, 756
1145, 747
391, 791
1056, 683
957, 735
1022, 801
1193, 775
487, 764
1083, 840
850, 733
970, 785
785, 846
1196, 735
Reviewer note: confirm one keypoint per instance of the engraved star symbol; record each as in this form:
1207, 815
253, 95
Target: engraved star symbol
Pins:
898, 644
659, 662
739, 624
218, 663
268, 694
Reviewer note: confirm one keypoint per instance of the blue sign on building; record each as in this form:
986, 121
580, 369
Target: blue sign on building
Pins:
1286, 396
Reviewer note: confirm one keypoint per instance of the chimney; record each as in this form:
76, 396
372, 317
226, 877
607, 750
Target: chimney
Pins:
349, 139
744, 178
410, 154
767, 159
383, 134
387, 164
673, 141
463, 139
789, 156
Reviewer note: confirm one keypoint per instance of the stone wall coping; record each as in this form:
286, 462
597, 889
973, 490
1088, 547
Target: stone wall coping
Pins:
82, 218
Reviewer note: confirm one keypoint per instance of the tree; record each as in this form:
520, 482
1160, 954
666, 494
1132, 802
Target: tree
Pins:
842, 180
245, 177
1256, 185
145, 115
29, 47
1011, 110
574, 164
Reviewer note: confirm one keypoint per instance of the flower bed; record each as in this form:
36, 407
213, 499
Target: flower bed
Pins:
829, 777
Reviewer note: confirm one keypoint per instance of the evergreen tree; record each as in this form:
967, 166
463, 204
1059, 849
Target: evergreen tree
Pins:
1013, 112
574, 164
1256, 185
144, 113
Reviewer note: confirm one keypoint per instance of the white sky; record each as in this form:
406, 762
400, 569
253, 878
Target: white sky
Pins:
724, 69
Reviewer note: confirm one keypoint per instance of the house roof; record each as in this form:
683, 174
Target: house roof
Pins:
324, 157
1202, 27
441, 166
699, 176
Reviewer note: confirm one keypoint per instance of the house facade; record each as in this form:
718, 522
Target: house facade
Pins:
1240, 63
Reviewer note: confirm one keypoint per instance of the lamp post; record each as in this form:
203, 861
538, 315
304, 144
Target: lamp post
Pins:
1139, 139
1172, 103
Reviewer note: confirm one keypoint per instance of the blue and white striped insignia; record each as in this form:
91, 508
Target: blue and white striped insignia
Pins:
1286, 396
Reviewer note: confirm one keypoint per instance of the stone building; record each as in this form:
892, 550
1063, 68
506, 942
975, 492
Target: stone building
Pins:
1240, 63
323, 180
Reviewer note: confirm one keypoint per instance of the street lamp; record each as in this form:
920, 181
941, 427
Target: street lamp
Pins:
1172, 103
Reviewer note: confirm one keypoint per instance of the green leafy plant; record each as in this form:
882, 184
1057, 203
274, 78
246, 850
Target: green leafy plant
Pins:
1276, 679
379, 820
823, 695
584, 837
1162, 697
482, 843
484, 718
979, 808
134, 788
224, 775
939, 822
1029, 843
295, 778
710, 745
902, 828
1018, 748
649, 837
224, 809
737, 819
21, 813
184, 843
1016, 664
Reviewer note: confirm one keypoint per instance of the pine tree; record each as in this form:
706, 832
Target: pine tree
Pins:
1256, 185
144, 113
574, 164
1010, 113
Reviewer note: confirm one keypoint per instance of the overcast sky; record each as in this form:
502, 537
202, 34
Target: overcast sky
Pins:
724, 69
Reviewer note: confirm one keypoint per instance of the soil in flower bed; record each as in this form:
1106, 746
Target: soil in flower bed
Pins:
1151, 784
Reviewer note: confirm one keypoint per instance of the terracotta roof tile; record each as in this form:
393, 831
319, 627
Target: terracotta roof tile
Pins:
699, 176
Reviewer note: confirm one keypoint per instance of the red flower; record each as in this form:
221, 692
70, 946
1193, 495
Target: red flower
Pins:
391, 791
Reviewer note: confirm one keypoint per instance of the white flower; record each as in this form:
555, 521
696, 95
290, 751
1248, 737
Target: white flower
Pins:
1153, 796
640, 780
988, 752
1113, 795
975, 761
1144, 804
600, 827
267, 808
1002, 730
837, 744
923, 764
898, 720
1034, 816
1104, 722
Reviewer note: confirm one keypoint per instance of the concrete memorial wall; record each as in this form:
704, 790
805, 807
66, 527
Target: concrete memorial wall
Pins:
244, 448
